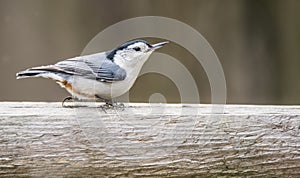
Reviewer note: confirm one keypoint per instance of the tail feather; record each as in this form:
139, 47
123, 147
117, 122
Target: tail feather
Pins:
29, 73
43, 71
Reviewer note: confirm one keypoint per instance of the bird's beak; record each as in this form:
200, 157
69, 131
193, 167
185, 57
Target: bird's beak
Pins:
158, 45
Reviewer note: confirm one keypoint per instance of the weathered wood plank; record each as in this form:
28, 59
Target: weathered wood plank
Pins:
44, 139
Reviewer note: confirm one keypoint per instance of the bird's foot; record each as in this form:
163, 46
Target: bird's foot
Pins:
112, 105
69, 98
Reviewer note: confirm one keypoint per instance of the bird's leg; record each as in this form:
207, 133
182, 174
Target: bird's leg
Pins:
106, 105
109, 104
115, 105
68, 98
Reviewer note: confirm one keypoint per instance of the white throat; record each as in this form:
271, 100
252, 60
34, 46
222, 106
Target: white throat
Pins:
131, 66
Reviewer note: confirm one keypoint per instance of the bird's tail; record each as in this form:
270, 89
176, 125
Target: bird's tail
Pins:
29, 73
43, 71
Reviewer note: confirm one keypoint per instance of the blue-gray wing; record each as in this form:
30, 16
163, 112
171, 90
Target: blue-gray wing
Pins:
94, 66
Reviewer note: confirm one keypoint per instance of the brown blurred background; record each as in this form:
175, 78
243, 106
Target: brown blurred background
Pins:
257, 42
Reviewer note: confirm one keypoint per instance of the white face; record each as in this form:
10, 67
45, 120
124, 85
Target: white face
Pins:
134, 53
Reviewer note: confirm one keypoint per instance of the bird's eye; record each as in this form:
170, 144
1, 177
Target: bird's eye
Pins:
137, 48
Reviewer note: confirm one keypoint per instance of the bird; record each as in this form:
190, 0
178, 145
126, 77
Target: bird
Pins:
101, 76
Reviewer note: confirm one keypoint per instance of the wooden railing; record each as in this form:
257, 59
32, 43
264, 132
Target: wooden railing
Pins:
44, 139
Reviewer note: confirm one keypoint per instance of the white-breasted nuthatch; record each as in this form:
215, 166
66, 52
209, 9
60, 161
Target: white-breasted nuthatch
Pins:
101, 76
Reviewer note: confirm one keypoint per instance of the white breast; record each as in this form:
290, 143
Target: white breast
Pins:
86, 89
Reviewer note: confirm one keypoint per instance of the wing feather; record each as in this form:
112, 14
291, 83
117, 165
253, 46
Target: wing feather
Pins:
94, 66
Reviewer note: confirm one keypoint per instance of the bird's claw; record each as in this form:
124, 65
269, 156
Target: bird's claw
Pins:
108, 104
69, 98
112, 105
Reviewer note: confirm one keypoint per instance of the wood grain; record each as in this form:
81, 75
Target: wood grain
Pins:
44, 139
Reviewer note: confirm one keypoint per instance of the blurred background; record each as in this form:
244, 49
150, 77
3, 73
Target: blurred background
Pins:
257, 42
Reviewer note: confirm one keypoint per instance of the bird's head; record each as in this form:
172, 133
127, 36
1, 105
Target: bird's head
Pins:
133, 52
